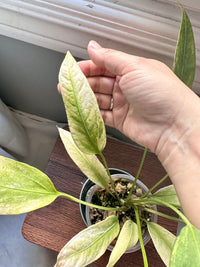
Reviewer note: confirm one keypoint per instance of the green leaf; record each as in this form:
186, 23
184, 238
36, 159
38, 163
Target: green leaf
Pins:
89, 244
186, 250
88, 164
84, 117
128, 237
23, 188
185, 58
168, 194
163, 241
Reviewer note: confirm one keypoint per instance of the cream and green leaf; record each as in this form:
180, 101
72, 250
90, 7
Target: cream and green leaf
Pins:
186, 250
89, 164
83, 114
23, 188
163, 241
127, 238
89, 244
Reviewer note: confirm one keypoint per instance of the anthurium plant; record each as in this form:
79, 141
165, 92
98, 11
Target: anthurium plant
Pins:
24, 188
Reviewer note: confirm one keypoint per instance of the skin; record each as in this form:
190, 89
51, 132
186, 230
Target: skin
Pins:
155, 109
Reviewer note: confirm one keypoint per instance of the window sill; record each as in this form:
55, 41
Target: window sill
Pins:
149, 29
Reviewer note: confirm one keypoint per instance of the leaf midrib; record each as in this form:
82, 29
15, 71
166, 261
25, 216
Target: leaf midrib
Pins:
81, 115
93, 167
184, 45
31, 191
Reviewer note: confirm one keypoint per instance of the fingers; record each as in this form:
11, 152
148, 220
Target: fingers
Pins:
100, 84
104, 101
90, 69
58, 88
103, 89
112, 60
108, 118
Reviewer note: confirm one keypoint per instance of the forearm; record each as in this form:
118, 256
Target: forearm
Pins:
180, 155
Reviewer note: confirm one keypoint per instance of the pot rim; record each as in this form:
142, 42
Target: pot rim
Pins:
92, 187
87, 184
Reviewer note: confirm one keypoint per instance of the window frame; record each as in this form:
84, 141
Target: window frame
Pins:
147, 28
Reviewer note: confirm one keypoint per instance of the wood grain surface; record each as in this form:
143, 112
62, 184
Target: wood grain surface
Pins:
53, 226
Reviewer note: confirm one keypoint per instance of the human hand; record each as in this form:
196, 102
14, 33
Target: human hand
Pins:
147, 96
153, 108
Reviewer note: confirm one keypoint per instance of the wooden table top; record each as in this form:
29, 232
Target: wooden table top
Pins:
53, 226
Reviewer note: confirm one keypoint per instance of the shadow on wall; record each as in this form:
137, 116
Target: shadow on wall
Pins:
28, 79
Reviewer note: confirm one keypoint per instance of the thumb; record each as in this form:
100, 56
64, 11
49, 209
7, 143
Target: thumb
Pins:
112, 60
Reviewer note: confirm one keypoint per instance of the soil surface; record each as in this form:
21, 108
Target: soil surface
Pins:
104, 198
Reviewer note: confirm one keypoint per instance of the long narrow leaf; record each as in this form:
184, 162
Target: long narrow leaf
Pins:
84, 117
185, 57
23, 188
163, 241
186, 250
89, 164
89, 244
128, 237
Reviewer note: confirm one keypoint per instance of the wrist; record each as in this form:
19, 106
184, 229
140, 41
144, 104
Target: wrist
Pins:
181, 149
182, 137
179, 154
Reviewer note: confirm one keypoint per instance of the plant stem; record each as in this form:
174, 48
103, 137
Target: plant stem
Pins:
153, 187
140, 237
163, 215
111, 181
138, 173
86, 203
180, 214
157, 201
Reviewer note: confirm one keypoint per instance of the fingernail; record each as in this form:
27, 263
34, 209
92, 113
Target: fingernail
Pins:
94, 45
